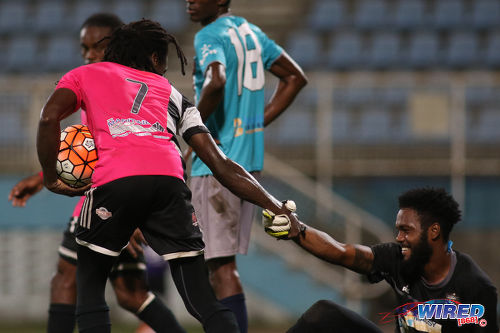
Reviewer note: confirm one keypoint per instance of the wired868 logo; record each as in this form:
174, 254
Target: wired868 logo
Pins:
438, 309
463, 313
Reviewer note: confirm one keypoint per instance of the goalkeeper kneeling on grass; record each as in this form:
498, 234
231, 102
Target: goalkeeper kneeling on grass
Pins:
421, 267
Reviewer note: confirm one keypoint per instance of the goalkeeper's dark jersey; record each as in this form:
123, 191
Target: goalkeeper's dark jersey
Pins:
466, 283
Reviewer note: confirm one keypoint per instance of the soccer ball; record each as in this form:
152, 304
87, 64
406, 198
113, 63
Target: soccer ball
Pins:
77, 156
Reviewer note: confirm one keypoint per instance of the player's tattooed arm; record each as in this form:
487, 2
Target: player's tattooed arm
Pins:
363, 259
358, 258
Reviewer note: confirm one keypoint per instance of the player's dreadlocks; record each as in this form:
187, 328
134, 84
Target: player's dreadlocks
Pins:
133, 44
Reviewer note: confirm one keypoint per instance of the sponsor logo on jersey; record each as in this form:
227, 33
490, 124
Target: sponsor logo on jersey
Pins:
124, 127
205, 52
103, 213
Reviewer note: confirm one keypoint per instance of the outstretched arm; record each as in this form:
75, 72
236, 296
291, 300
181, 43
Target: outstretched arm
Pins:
291, 80
25, 189
60, 105
358, 258
232, 175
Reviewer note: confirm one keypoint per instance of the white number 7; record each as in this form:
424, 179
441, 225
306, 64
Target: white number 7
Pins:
139, 98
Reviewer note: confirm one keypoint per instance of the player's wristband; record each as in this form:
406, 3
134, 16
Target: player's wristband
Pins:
41, 175
302, 232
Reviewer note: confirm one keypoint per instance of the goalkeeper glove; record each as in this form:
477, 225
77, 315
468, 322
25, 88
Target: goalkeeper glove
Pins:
278, 226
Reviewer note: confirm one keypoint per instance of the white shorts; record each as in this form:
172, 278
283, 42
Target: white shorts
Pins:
225, 220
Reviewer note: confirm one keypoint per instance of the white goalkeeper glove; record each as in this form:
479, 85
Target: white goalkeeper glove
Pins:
278, 225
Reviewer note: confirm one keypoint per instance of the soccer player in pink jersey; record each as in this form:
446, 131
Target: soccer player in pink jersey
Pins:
134, 114
128, 276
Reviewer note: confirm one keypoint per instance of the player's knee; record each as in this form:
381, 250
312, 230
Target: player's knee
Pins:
65, 278
130, 299
223, 272
319, 310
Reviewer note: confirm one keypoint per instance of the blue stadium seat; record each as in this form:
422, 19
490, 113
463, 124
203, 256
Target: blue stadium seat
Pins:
82, 10
61, 54
128, 10
171, 14
305, 48
479, 96
486, 129
392, 97
358, 97
449, 14
346, 51
341, 126
486, 14
409, 14
462, 50
14, 16
370, 14
296, 128
374, 126
492, 53
12, 128
49, 16
298, 125
327, 15
384, 51
21, 54
423, 50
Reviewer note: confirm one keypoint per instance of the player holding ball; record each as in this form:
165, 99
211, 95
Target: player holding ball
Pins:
134, 114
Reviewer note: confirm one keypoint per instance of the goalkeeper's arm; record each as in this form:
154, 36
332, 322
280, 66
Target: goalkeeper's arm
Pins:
358, 258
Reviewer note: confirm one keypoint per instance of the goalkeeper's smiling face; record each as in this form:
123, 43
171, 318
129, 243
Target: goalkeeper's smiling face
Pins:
412, 237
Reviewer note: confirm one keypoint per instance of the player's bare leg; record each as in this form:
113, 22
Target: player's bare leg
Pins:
133, 295
226, 283
62, 299
224, 277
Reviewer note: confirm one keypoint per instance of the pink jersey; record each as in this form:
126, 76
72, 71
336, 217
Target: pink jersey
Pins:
133, 116
78, 207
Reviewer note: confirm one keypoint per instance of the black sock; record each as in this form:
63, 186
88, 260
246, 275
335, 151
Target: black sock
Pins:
92, 270
159, 317
94, 319
62, 318
191, 279
236, 303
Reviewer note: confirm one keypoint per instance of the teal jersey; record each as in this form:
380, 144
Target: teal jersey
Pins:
238, 122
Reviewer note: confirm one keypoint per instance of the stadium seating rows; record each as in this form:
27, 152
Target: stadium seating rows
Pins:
380, 116
399, 34
40, 35
339, 34
327, 15
384, 49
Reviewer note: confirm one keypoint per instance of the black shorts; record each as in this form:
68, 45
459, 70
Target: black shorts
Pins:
160, 206
124, 264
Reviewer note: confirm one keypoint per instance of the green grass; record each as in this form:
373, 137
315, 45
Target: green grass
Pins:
39, 327
32, 327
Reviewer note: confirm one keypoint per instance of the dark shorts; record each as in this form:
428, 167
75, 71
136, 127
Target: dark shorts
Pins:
124, 264
160, 206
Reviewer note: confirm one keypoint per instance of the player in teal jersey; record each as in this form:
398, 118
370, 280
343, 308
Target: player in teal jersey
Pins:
231, 56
